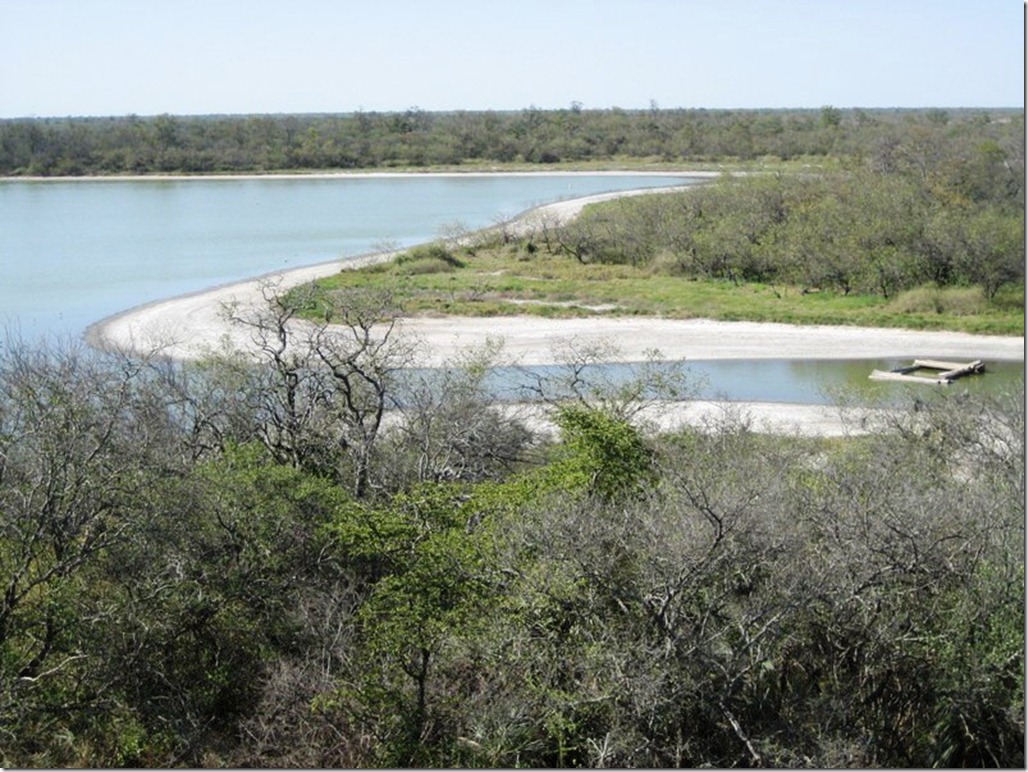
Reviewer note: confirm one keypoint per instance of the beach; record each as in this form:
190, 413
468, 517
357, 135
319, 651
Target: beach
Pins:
195, 325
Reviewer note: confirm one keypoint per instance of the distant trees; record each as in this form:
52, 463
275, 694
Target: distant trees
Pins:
133, 144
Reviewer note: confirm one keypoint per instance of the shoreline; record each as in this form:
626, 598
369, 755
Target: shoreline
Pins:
337, 175
135, 326
191, 326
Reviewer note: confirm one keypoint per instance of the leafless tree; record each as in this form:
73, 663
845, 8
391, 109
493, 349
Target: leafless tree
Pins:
450, 427
320, 389
362, 353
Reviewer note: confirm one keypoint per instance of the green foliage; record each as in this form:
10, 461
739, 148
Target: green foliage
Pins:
498, 283
980, 654
708, 598
427, 259
207, 591
862, 231
422, 556
930, 299
432, 251
601, 454
531, 137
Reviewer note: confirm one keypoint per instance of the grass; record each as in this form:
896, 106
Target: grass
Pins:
505, 280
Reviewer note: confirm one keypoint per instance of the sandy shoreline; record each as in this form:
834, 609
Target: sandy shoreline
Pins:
191, 326
338, 175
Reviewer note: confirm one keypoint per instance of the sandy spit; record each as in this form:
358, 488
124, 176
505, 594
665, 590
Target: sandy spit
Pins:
192, 326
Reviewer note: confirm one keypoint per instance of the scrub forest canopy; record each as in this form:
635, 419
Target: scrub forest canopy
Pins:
928, 139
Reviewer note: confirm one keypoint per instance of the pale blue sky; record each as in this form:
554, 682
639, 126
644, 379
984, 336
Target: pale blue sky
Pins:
113, 57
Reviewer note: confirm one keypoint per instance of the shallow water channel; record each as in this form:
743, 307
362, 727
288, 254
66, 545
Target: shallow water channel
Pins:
804, 381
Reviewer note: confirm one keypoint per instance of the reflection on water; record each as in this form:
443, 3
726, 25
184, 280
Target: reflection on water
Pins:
806, 381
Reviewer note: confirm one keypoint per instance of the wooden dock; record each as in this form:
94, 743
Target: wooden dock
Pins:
947, 372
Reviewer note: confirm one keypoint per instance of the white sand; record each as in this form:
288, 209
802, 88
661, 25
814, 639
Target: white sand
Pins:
190, 326
529, 339
193, 325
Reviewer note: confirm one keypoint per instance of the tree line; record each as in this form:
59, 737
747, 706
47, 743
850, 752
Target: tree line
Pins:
417, 138
926, 210
859, 232
325, 556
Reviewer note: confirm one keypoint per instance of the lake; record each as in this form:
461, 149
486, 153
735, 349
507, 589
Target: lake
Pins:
74, 252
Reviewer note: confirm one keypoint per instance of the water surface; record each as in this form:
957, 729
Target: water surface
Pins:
74, 252
797, 381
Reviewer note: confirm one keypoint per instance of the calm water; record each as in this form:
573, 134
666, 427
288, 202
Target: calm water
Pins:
72, 253
800, 381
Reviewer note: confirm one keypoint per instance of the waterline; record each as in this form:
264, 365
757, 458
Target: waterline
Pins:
73, 252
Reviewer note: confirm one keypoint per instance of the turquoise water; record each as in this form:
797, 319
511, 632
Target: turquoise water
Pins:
74, 252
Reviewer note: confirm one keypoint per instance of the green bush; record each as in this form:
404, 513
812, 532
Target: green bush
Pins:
424, 266
929, 298
430, 253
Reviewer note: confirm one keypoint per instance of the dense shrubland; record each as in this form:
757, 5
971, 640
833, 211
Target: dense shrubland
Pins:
322, 558
921, 227
860, 232
416, 138
930, 211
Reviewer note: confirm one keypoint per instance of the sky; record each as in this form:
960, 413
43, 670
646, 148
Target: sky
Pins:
189, 57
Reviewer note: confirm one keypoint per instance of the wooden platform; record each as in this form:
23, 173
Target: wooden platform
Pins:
948, 372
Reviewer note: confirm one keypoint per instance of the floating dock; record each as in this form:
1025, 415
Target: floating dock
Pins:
947, 372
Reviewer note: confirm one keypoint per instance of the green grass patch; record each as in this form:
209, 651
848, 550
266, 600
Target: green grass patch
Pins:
504, 280
427, 259
930, 299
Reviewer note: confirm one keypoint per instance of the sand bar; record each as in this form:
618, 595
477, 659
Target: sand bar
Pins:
192, 326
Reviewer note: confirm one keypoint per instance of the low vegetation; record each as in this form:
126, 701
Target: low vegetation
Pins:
326, 558
498, 281
861, 248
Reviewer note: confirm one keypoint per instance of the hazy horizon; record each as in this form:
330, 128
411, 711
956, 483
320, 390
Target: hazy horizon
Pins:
513, 110
104, 58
